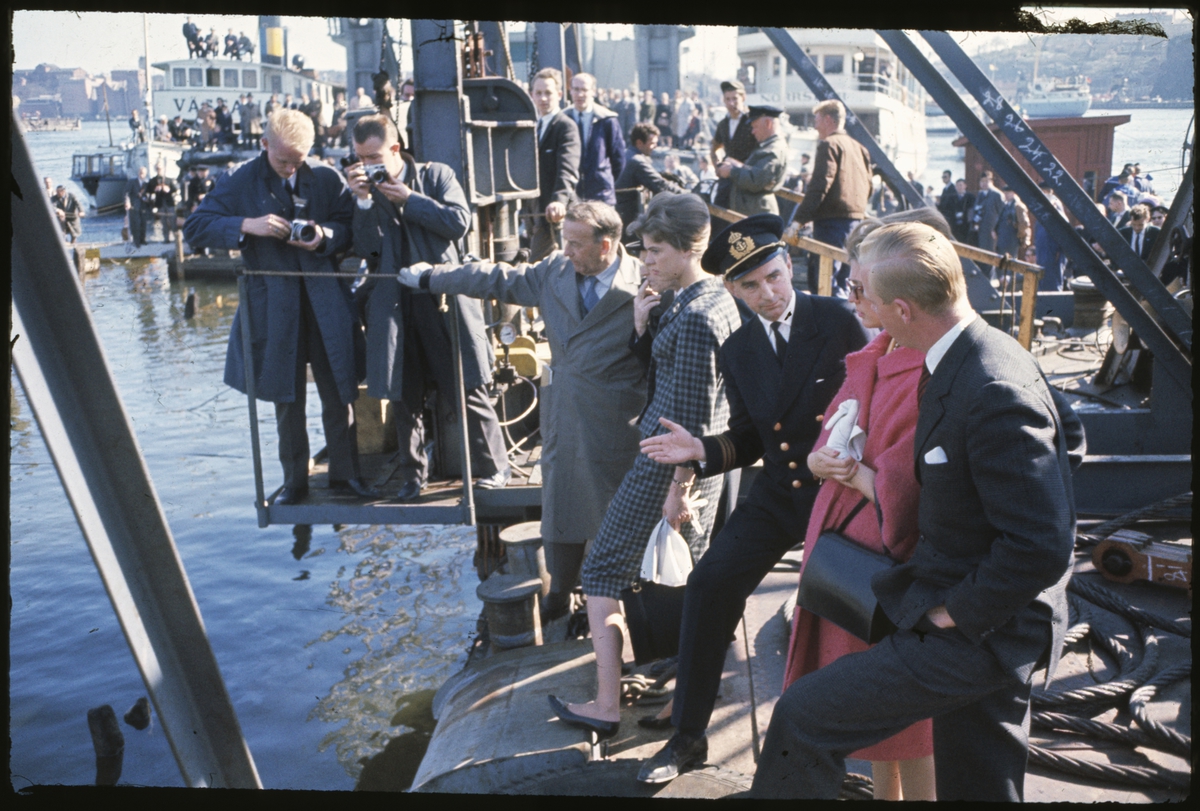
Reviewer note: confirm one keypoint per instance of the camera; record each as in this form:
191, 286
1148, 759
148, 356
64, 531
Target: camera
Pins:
376, 172
303, 231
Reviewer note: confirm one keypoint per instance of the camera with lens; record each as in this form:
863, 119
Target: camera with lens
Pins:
376, 172
303, 231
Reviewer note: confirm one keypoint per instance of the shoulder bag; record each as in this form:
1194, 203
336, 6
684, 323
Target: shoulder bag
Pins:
654, 603
836, 584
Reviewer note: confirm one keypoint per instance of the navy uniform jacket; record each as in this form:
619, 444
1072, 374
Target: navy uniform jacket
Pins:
434, 220
997, 516
602, 158
254, 190
771, 407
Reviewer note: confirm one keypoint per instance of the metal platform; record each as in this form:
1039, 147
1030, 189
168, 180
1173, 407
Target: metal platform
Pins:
441, 502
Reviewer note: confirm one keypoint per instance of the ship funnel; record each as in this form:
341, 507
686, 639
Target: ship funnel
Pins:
270, 39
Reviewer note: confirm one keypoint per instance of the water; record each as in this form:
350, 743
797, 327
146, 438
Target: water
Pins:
319, 641
319, 644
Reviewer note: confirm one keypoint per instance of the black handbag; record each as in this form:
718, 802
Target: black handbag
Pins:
836, 584
654, 615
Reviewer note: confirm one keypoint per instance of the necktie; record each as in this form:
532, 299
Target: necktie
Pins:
589, 294
585, 126
541, 129
780, 343
1137, 242
922, 383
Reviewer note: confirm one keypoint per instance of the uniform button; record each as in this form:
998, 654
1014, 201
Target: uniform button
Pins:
778, 426
783, 446
820, 418
793, 465
797, 484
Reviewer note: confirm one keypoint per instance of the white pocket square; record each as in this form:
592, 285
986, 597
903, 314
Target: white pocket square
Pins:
937, 456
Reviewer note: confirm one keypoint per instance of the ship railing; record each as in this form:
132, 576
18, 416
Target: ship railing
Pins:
1032, 274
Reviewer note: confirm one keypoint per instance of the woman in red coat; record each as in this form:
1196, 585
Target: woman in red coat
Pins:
868, 451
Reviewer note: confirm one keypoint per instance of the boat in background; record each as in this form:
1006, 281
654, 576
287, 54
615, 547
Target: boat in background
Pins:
37, 123
863, 71
103, 172
1053, 98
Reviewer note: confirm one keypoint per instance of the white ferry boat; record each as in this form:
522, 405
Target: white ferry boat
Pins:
188, 83
1055, 99
104, 171
862, 70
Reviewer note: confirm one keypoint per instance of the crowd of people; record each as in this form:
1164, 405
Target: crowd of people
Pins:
206, 47
682, 350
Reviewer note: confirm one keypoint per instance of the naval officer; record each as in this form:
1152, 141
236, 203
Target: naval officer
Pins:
781, 370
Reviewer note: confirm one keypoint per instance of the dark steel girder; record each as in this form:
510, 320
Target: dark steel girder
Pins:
821, 88
1168, 354
1077, 201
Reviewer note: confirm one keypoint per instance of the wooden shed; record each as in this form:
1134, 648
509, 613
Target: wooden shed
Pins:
1083, 146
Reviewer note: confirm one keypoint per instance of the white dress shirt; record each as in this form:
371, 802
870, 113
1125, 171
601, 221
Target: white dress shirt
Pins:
785, 323
938, 351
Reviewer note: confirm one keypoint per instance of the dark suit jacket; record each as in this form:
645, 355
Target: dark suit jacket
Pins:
558, 162
740, 144
997, 517
986, 212
602, 158
948, 203
639, 171
775, 413
1121, 220
1149, 237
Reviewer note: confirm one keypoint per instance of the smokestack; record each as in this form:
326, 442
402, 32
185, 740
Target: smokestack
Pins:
271, 47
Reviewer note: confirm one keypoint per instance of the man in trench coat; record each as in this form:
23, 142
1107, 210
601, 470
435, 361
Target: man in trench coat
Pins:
294, 320
597, 391
419, 214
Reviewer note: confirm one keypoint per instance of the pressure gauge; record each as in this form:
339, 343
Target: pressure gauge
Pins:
508, 333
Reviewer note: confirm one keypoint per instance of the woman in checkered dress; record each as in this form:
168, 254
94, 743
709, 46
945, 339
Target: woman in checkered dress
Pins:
687, 389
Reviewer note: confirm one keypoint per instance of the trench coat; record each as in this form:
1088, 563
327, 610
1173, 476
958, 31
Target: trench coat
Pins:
254, 190
435, 219
753, 185
589, 412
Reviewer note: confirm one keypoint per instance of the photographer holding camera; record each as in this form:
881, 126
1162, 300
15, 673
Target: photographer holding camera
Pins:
412, 212
287, 214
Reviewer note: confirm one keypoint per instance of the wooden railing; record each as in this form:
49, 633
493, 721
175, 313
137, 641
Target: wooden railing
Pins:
1032, 274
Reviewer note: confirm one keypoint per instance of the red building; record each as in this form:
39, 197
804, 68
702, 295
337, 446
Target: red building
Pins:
1082, 146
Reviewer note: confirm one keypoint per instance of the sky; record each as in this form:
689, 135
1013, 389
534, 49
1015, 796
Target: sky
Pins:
102, 41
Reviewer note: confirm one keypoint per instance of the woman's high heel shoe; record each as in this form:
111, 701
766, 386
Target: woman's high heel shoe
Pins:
603, 729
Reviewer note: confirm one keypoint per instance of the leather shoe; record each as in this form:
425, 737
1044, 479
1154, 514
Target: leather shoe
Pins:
352, 487
409, 491
682, 752
603, 729
654, 722
292, 494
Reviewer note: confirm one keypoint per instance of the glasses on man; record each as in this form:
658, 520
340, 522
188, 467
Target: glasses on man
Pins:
856, 291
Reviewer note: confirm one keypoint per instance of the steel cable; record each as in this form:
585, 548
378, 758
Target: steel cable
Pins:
1110, 772
1115, 603
1174, 740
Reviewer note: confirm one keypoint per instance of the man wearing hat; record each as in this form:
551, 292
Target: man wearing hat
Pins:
781, 369
732, 138
753, 183
836, 197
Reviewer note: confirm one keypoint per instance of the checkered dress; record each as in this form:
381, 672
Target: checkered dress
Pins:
689, 390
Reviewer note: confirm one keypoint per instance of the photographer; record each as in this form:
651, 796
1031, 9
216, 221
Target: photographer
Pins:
161, 195
412, 212
287, 214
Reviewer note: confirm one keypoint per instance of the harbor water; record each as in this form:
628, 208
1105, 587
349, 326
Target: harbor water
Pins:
326, 642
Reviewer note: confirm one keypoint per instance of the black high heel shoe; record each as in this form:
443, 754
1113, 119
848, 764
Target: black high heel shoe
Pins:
603, 729
654, 722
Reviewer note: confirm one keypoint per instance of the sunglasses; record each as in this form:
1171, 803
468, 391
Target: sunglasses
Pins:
856, 291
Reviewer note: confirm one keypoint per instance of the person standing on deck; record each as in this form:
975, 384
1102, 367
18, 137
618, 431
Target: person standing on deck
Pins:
297, 320
732, 138
601, 145
135, 206
558, 165
69, 213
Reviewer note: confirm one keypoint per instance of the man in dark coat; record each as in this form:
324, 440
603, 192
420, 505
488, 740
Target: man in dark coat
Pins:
198, 186
135, 206
985, 215
1140, 234
781, 371
296, 320
960, 223
982, 602
191, 33
948, 200
639, 171
244, 47
836, 197
69, 213
419, 214
558, 165
231, 44
602, 147
733, 138
162, 194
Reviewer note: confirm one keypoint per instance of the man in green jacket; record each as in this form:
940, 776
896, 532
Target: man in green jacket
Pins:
755, 181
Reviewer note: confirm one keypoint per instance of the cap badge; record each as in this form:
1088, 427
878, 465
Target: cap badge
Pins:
740, 246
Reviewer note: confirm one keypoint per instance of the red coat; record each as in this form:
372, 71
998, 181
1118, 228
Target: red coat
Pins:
885, 385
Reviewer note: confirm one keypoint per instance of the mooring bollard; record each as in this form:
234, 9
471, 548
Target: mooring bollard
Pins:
510, 605
108, 742
526, 556
189, 306
138, 716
